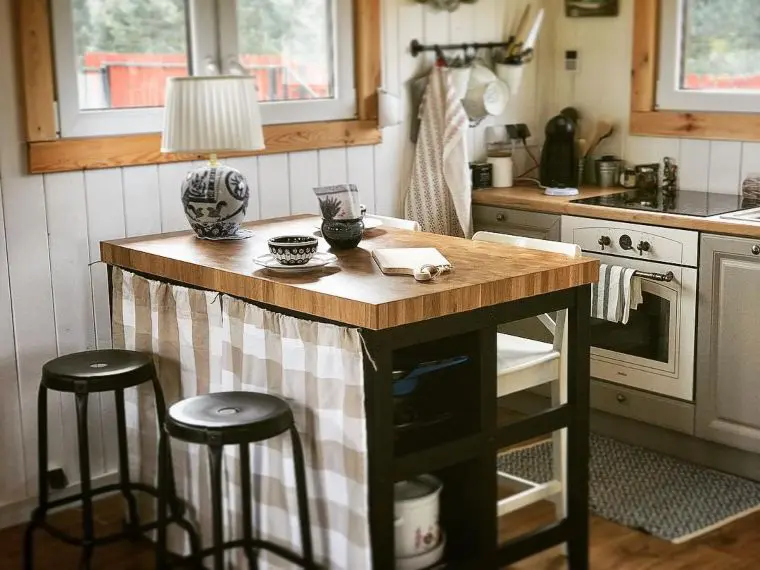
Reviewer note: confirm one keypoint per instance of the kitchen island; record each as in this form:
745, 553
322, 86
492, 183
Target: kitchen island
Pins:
401, 321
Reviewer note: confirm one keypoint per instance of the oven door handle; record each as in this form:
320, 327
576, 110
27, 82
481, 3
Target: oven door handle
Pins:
664, 277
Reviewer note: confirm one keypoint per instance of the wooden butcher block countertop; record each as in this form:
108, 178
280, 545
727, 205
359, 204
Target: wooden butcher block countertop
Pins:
534, 200
354, 290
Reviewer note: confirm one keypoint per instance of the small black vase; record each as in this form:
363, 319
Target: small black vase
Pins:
343, 234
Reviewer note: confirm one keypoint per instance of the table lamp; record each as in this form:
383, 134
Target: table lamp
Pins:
210, 115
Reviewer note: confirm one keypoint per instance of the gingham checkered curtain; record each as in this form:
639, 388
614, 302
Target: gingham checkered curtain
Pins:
206, 342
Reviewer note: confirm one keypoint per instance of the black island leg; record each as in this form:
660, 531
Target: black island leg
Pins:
578, 431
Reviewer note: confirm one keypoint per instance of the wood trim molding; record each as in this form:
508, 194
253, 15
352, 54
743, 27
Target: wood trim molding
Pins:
37, 69
646, 16
646, 119
47, 153
367, 60
132, 150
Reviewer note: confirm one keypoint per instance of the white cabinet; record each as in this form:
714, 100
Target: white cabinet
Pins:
728, 371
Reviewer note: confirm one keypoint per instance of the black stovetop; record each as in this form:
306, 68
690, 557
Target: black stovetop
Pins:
685, 203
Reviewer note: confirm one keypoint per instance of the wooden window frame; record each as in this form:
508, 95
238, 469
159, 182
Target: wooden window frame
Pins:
647, 119
48, 153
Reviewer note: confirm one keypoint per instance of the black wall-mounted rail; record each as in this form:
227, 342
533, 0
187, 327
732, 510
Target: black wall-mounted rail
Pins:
416, 48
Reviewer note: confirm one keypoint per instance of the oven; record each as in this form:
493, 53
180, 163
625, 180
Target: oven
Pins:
654, 351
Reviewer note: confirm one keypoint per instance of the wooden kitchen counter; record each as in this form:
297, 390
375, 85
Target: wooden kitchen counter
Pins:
533, 199
354, 290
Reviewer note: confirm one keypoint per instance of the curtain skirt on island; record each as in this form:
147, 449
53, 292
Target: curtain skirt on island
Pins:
208, 342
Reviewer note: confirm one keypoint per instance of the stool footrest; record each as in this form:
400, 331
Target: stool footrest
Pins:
253, 543
38, 517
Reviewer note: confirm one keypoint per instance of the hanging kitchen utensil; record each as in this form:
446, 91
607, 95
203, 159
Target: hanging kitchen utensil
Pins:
522, 50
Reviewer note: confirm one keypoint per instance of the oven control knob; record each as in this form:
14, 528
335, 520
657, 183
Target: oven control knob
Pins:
643, 246
626, 242
605, 241
756, 250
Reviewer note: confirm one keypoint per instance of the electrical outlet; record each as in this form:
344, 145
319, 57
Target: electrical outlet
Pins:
572, 60
57, 479
523, 132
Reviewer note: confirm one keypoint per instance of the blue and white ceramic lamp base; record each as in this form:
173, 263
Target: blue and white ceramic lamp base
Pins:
215, 199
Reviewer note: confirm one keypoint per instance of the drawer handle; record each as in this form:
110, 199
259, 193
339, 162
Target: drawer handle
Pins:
501, 218
621, 398
756, 250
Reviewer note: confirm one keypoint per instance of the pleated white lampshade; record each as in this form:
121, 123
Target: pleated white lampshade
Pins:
211, 115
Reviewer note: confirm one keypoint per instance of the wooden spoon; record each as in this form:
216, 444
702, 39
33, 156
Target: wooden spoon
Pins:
602, 130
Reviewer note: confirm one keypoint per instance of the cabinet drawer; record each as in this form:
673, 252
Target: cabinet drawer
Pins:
642, 406
516, 222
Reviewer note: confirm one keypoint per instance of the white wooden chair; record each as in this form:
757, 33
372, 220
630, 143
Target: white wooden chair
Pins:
525, 363
397, 222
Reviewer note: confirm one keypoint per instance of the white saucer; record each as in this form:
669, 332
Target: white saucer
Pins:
269, 262
369, 224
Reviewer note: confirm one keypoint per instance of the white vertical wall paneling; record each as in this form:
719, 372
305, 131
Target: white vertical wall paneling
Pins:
410, 26
142, 204
650, 150
249, 167
274, 185
170, 177
333, 168
304, 175
12, 472
694, 165
72, 302
28, 266
750, 160
390, 187
725, 166
105, 220
361, 171
32, 297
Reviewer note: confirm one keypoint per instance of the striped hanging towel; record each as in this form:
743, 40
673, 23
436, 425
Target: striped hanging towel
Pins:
617, 292
439, 195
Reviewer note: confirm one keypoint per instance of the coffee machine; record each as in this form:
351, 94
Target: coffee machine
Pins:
559, 157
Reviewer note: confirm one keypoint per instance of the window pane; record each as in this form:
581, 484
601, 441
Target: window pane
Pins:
126, 49
288, 46
721, 45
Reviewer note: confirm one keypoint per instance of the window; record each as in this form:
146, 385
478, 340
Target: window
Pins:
113, 57
709, 55
694, 69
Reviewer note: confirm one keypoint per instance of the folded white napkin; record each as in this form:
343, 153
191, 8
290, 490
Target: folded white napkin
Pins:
339, 202
617, 292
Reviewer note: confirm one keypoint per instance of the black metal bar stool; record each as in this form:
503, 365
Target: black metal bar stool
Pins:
82, 374
240, 418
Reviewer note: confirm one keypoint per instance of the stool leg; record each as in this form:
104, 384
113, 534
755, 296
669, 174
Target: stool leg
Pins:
42, 481
121, 432
171, 488
303, 500
215, 464
84, 472
245, 487
162, 489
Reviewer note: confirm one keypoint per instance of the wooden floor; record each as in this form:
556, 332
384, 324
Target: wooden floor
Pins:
733, 547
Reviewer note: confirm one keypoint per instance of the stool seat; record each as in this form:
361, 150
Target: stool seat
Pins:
98, 371
229, 418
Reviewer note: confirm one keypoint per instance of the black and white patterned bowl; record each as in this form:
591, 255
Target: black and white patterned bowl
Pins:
293, 250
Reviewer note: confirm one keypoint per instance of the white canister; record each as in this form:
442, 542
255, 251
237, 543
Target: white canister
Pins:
502, 171
416, 510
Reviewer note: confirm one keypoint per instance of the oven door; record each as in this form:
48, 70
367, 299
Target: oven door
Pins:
655, 350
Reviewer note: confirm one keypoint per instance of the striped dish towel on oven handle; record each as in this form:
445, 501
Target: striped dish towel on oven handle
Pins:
617, 292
